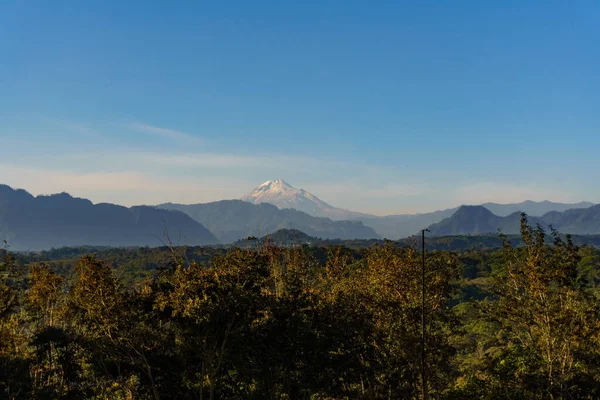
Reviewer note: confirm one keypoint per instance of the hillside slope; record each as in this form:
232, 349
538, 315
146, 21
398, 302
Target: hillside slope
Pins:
231, 220
469, 220
42, 222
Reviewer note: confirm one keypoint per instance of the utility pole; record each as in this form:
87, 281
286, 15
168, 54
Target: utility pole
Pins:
424, 391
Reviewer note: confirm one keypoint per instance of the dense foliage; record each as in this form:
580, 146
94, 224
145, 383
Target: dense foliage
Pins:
302, 322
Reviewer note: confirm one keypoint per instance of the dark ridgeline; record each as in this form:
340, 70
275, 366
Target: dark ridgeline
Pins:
42, 222
400, 226
232, 220
284, 196
31, 223
468, 220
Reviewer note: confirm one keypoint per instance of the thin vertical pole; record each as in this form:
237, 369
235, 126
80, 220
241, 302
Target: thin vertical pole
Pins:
425, 394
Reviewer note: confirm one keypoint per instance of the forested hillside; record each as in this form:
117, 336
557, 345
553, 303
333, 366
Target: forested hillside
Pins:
302, 322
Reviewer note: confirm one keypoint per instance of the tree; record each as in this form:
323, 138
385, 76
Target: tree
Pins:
547, 325
389, 287
212, 309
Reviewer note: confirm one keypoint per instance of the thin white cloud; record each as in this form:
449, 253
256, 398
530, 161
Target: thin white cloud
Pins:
77, 128
236, 160
166, 133
188, 161
202, 160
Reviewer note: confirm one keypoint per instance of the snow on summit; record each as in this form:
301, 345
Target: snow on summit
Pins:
283, 195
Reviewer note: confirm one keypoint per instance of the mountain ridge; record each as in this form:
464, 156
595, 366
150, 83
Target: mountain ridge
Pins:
472, 220
283, 195
30, 222
533, 208
232, 220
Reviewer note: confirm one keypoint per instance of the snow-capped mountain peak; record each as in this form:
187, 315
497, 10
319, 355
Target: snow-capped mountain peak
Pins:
279, 193
276, 185
283, 195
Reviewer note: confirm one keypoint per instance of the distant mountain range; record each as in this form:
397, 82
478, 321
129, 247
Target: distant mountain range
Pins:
32, 223
231, 220
42, 222
533, 208
284, 196
469, 220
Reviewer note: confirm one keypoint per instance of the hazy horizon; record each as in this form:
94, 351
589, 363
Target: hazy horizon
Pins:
239, 198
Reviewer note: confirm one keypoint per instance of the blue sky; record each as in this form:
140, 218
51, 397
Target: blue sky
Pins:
383, 107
